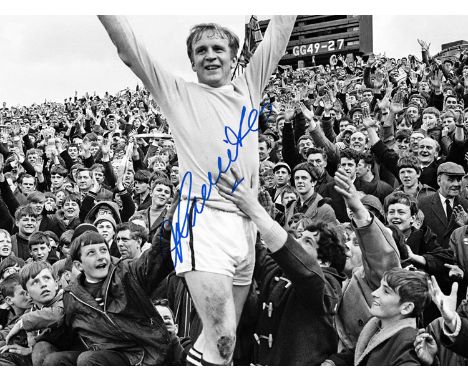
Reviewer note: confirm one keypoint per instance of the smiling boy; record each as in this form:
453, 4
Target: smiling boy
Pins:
388, 337
109, 305
25, 220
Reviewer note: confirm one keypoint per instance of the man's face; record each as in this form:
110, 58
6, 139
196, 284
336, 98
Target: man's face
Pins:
26, 225
450, 103
166, 315
303, 182
353, 255
427, 151
127, 245
84, 180
281, 177
362, 168
174, 175
413, 113
56, 180
141, 187
449, 185
32, 158
402, 145
424, 87
137, 122
415, 138
349, 165
20, 298
304, 145
160, 195
95, 261
385, 302
449, 122
94, 149
159, 165
73, 152
42, 288
129, 178
27, 185
99, 176
367, 96
5, 245
308, 241
429, 120
358, 141
263, 151
38, 207
40, 251
357, 118
343, 125
316, 160
106, 230
71, 209
399, 214
212, 60
288, 197
409, 177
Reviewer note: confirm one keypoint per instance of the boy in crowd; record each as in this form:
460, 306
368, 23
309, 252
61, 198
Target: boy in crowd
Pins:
109, 305
40, 249
388, 338
17, 301
179, 351
46, 315
25, 220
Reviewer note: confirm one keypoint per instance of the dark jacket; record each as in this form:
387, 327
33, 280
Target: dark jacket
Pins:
316, 209
128, 322
436, 219
338, 202
376, 346
90, 206
20, 247
298, 302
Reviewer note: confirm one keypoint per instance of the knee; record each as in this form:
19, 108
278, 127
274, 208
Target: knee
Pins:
86, 359
40, 351
53, 359
225, 343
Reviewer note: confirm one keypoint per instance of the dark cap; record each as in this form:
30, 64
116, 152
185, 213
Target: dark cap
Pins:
282, 165
450, 168
82, 228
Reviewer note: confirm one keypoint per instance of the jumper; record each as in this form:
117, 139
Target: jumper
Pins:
198, 114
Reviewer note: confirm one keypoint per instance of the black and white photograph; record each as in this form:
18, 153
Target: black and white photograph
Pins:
233, 189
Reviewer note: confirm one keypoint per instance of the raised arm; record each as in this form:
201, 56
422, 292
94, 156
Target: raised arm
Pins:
269, 52
379, 250
134, 54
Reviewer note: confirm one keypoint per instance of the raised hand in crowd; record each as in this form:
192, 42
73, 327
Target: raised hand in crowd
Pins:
425, 347
447, 304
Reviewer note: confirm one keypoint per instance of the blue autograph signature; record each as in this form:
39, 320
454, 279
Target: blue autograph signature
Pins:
182, 226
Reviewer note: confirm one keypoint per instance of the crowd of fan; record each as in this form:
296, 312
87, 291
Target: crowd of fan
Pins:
396, 128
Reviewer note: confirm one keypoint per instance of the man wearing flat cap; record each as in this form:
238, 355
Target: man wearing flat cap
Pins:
442, 209
282, 174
